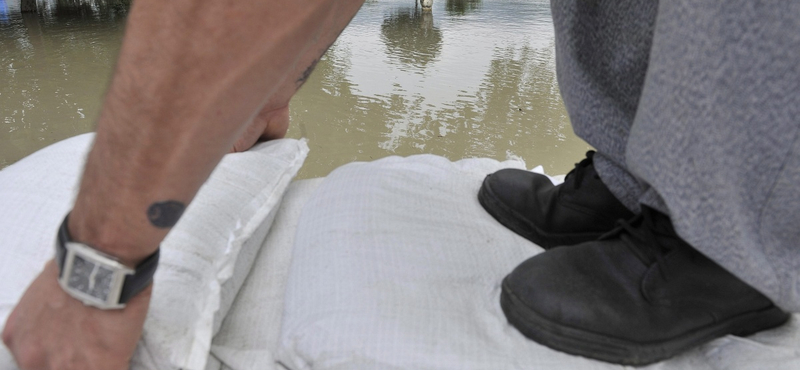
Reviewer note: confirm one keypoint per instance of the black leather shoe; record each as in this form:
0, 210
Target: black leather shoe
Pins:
638, 295
581, 209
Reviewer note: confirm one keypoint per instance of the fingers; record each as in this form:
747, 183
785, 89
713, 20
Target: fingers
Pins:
278, 124
248, 138
51, 330
8, 329
267, 125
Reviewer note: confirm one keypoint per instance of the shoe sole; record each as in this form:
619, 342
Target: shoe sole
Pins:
519, 224
592, 345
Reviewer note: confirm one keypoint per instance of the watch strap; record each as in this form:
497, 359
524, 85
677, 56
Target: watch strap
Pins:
61, 250
133, 283
141, 279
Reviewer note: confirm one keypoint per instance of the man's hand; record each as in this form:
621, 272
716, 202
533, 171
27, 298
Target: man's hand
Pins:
270, 123
51, 330
190, 78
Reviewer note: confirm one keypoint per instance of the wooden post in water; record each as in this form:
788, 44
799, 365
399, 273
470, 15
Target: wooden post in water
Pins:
28, 6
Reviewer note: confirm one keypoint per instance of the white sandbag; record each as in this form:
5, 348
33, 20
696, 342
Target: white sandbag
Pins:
249, 334
397, 266
204, 259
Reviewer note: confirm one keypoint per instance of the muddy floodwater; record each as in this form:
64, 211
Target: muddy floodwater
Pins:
470, 78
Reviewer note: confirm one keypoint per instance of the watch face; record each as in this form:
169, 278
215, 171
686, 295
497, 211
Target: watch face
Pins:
90, 278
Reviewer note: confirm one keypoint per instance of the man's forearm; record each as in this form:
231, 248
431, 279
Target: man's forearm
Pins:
190, 77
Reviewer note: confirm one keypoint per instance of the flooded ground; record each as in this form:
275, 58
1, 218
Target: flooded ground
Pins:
471, 78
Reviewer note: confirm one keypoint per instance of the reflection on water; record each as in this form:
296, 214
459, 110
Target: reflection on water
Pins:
469, 78
411, 37
461, 7
53, 66
3, 12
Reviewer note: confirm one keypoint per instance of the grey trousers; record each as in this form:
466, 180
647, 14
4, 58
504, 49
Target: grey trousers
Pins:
694, 109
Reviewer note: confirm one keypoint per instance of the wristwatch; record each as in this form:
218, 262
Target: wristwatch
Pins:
97, 279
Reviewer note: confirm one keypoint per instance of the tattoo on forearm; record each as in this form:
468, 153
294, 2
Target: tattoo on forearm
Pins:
165, 214
307, 73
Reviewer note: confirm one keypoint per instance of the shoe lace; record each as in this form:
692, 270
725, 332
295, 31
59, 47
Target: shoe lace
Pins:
649, 236
578, 173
